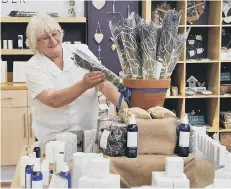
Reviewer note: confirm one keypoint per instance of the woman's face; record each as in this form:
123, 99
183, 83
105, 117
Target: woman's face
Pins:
50, 44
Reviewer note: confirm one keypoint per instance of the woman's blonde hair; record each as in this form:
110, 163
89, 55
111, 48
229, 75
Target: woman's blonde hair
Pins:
37, 26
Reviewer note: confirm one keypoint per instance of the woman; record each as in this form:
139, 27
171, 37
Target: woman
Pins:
63, 96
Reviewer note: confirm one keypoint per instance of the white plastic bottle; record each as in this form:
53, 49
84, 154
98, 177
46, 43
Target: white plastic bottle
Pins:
37, 177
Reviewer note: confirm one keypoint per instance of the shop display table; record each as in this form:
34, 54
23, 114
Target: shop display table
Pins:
137, 172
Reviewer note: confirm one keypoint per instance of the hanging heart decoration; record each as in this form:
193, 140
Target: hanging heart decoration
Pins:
98, 4
98, 35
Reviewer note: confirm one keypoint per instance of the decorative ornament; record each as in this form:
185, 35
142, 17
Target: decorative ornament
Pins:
226, 10
114, 17
113, 46
194, 10
98, 4
71, 9
98, 35
159, 12
99, 55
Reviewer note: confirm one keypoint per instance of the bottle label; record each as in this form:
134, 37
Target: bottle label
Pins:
184, 139
28, 181
103, 140
37, 184
132, 139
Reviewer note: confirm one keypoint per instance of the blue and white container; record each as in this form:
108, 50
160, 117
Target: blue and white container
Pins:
28, 172
65, 173
37, 176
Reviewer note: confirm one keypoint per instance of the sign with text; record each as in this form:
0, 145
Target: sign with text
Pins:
59, 7
226, 76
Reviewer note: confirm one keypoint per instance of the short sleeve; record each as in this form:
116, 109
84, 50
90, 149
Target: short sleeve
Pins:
37, 80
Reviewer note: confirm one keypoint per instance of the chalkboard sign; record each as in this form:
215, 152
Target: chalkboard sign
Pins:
226, 76
197, 120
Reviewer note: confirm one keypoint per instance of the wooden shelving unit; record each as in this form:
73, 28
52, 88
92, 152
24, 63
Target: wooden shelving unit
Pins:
211, 104
16, 52
27, 19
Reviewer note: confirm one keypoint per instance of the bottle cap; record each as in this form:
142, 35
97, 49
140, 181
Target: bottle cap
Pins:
65, 167
132, 119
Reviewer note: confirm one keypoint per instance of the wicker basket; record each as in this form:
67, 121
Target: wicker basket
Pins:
225, 118
225, 139
225, 88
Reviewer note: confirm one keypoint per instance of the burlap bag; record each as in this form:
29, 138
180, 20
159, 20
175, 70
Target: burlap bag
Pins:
159, 112
157, 136
138, 112
138, 171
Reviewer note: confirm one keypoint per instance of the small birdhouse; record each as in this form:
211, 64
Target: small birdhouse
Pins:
192, 81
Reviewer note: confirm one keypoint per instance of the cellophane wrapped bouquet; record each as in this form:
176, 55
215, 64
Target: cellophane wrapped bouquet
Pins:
146, 49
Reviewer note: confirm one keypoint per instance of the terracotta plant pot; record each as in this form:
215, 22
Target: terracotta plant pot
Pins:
146, 100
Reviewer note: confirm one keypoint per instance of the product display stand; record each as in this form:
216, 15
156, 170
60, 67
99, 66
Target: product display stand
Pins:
206, 65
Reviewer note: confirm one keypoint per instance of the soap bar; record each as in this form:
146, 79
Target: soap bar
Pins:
70, 141
195, 136
80, 165
111, 181
182, 182
221, 154
222, 174
19, 68
3, 71
23, 164
228, 163
160, 180
53, 148
222, 183
99, 168
85, 182
174, 166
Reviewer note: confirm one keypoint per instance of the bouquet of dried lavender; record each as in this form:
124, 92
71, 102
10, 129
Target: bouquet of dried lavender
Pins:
178, 45
84, 61
125, 37
148, 34
168, 34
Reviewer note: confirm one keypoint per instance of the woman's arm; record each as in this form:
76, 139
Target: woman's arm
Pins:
111, 93
57, 98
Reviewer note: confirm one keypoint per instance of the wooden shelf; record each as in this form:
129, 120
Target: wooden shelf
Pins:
203, 26
212, 130
202, 96
224, 130
201, 61
174, 97
27, 19
226, 61
13, 86
16, 52
225, 96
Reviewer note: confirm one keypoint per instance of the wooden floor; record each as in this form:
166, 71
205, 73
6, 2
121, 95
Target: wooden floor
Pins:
5, 184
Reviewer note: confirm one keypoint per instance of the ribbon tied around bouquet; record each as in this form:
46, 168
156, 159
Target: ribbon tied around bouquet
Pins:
126, 93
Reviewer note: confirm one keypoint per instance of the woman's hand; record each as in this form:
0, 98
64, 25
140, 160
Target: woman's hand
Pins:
93, 79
